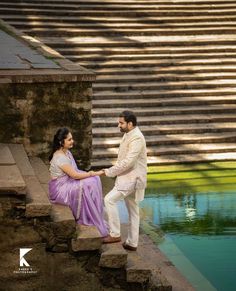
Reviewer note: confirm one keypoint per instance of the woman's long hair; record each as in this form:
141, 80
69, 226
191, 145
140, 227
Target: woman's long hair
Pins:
58, 140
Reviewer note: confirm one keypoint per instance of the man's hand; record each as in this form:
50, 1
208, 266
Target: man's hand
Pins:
97, 173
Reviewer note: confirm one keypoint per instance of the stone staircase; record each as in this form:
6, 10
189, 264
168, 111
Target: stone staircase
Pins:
173, 63
42, 226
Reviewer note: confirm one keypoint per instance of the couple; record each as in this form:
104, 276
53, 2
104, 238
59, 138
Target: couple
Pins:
82, 191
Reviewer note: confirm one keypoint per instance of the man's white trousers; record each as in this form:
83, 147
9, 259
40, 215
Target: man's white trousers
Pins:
110, 201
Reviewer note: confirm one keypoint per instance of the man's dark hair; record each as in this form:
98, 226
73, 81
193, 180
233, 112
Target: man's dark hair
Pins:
129, 116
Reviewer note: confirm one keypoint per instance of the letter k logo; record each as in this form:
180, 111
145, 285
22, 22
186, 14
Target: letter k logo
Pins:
22, 259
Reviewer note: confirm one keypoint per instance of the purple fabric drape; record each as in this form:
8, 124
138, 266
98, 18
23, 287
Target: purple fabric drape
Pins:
84, 197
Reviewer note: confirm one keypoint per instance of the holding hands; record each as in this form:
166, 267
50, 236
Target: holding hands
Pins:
96, 173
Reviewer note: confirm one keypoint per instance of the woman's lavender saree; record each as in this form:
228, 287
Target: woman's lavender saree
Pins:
84, 197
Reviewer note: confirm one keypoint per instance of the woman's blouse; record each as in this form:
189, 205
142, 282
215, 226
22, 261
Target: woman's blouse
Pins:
56, 162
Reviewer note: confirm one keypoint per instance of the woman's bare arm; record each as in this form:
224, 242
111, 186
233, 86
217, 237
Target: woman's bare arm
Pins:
74, 174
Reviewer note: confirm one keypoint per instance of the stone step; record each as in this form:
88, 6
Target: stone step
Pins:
167, 111
11, 180
179, 70
6, 158
88, 238
141, 41
199, 2
202, 41
124, 6
162, 20
171, 86
41, 170
172, 119
162, 63
24, 24
157, 57
62, 32
87, 11
62, 215
172, 159
158, 150
163, 78
159, 282
113, 256
137, 270
125, 78
37, 202
158, 50
170, 139
132, 7
132, 94
184, 101
172, 129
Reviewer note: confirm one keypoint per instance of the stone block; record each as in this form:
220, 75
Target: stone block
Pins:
62, 213
64, 225
11, 180
88, 238
40, 169
113, 256
158, 282
137, 271
21, 159
6, 157
37, 200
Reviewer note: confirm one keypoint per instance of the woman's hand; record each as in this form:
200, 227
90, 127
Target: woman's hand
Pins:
96, 173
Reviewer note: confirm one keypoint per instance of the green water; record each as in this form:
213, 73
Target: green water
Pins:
190, 212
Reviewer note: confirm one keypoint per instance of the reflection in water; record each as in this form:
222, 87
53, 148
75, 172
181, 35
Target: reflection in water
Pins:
202, 226
202, 213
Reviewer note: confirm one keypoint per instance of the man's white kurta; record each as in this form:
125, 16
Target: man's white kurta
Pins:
131, 166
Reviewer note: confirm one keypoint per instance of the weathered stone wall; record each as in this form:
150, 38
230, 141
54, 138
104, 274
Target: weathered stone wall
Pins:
32, 112
51, 270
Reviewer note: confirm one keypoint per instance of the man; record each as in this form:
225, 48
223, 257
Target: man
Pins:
130, 171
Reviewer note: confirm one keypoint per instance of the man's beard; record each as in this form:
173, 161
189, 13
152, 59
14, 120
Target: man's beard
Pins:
123, 130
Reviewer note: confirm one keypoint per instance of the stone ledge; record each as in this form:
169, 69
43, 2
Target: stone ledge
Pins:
21, 159
63, 224
11, 180
137, 271
40, 169
37, 203
62, 213
88, 239
113, 256
67, 71
158, 282
6, 157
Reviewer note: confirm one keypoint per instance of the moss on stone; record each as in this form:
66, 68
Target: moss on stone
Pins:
216, 176
33, 113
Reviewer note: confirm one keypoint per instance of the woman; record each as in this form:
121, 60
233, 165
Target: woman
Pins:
81, 191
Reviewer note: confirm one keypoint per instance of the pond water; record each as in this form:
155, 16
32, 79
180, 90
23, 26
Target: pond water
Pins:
193, 221
199, 235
